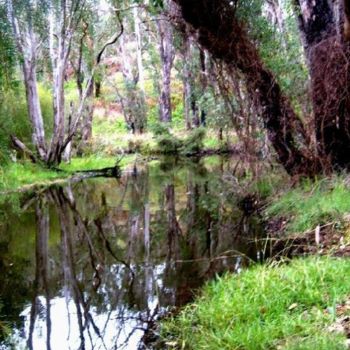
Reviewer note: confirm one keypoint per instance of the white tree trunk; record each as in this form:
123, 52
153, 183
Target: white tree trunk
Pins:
139, 49
33, 105
59, 62
167, 55
27, 46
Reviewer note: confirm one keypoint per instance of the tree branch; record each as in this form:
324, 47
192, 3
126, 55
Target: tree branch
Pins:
113, 40
20, 146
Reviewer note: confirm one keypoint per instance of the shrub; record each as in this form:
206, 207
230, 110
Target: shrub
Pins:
160, 129
194, 142
168, 143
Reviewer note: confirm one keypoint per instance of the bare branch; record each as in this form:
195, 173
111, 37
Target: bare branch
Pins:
113, 40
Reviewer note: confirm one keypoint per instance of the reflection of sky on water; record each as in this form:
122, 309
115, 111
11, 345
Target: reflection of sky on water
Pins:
65, 331
120, 328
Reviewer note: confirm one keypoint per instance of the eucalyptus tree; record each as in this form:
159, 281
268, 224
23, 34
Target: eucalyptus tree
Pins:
82, 60
167, 55
187, 76
30, 20
133, 100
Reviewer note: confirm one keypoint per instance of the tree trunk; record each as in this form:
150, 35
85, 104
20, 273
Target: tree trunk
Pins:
275, 10
89, 105
88, 115
34, 109
27, 45
167, 55
141, 72
204, 84
226, 39
187, 80
328, 56
58, 136
98, 88
140, 67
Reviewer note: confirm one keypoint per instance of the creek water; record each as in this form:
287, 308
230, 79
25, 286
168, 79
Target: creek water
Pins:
95, 264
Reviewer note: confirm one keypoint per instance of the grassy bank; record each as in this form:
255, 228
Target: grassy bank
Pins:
312, 203
22, 175
290, 306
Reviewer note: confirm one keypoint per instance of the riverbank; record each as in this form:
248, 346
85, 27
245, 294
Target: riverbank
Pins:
24, 175
300, 305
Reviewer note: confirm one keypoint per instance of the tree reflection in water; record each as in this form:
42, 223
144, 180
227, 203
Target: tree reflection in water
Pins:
112, 256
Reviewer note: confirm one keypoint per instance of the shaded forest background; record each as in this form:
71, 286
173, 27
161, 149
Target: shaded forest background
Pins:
268, 78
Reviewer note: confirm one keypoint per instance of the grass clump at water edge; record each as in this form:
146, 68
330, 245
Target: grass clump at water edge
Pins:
287, 306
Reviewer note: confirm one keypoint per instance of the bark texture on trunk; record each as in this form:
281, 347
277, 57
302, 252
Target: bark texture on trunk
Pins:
328, 58
59, 58
88, 115
225, 38
167, 55
33, 105
187, 81
27, 43
140, 68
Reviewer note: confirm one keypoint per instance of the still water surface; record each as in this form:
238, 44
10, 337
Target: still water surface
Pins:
94, 264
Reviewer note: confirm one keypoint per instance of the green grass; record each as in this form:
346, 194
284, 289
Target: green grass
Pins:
16, 175
312, 203
266, 307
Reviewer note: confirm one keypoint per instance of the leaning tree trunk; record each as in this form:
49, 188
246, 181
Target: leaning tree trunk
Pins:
225, 38
167, 55
328, 57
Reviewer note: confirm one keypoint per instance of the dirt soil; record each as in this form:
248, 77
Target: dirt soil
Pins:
331, 238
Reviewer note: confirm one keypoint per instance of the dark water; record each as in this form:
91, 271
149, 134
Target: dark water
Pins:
92, 265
